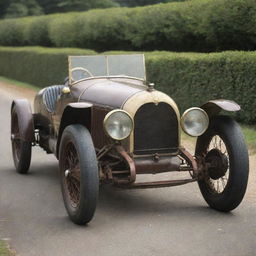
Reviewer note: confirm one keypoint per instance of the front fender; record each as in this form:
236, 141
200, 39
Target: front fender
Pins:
74, 113
213, 107
25, 119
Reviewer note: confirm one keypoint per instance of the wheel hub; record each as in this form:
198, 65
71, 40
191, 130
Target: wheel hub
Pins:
217, 163
67, 172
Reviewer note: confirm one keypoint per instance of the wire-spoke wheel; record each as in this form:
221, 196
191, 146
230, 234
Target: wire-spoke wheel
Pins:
217, 158
226, 164
72, 175
79, 173
21, 150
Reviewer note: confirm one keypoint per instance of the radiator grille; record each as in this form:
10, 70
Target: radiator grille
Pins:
156, 129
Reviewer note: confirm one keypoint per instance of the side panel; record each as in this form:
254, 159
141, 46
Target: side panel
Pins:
74, 113
100, 139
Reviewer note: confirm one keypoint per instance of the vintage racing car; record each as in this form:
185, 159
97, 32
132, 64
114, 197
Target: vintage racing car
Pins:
107, 124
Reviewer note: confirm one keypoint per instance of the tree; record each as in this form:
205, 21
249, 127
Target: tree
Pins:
53, 6
3, 6
21, 8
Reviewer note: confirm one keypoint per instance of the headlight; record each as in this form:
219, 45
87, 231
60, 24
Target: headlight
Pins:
118, 124
194, 121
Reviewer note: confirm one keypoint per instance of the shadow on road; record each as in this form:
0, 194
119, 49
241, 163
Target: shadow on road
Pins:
149, 202
114, 206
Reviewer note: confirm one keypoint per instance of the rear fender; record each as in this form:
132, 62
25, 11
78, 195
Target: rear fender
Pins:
25, 119
213, 107
74, 113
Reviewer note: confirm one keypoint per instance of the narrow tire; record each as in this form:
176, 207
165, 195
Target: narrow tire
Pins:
21, 150
79, 173
237, 162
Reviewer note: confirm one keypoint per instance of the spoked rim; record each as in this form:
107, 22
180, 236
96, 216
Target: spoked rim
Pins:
71, 175
15, 138
218, 159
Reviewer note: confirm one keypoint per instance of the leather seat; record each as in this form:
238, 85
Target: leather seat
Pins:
50, 96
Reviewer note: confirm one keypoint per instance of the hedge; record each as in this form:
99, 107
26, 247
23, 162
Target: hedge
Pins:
189, 78
193, 25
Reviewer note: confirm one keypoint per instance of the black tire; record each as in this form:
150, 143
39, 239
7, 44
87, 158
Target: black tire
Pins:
79, 173
233, 160
21, 150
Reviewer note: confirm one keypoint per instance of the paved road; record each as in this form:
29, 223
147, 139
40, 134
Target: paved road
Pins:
172, 221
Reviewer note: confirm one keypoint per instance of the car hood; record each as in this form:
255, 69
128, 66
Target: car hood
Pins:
107, 92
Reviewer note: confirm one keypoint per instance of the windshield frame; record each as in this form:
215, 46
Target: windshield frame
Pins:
71, 82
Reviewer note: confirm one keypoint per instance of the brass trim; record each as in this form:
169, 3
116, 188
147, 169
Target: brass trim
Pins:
184, 115
109, 114
108, 77
132, 104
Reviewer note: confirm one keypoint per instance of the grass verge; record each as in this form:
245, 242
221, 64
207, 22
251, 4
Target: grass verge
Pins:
248, 130
250, 137
18, 83
4, 250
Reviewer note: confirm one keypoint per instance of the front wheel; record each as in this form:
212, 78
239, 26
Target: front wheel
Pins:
225, 155
79, 173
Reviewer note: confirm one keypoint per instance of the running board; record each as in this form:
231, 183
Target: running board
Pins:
155, 184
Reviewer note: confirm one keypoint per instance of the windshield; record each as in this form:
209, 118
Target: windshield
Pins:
82, 67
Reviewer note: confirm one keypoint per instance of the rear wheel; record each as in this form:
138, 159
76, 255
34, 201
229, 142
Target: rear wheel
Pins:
226, 164
21, 149
79, 174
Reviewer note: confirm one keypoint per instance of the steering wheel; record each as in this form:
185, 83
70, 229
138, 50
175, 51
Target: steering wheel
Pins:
80, 73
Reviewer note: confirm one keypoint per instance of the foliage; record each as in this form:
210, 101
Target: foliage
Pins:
193, 78
171, 26
21, 8
3, 6
189, 78
250, 137
133, 3
37, 65
57, 6
4, 250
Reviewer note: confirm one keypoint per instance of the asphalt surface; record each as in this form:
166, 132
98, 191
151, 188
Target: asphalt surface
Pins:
168, 221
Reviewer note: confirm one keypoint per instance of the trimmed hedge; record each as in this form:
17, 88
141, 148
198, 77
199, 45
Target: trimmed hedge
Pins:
37, 65
189, 78
193, 25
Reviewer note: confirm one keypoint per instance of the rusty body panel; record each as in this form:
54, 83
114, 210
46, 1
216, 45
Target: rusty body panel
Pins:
88, 101
107, 92
97, 131
108, 125
157, 164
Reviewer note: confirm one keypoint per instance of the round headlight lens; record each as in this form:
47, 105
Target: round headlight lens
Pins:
194, 121
118, 124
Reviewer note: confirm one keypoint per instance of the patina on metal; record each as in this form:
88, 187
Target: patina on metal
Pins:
108, 125
93, 91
